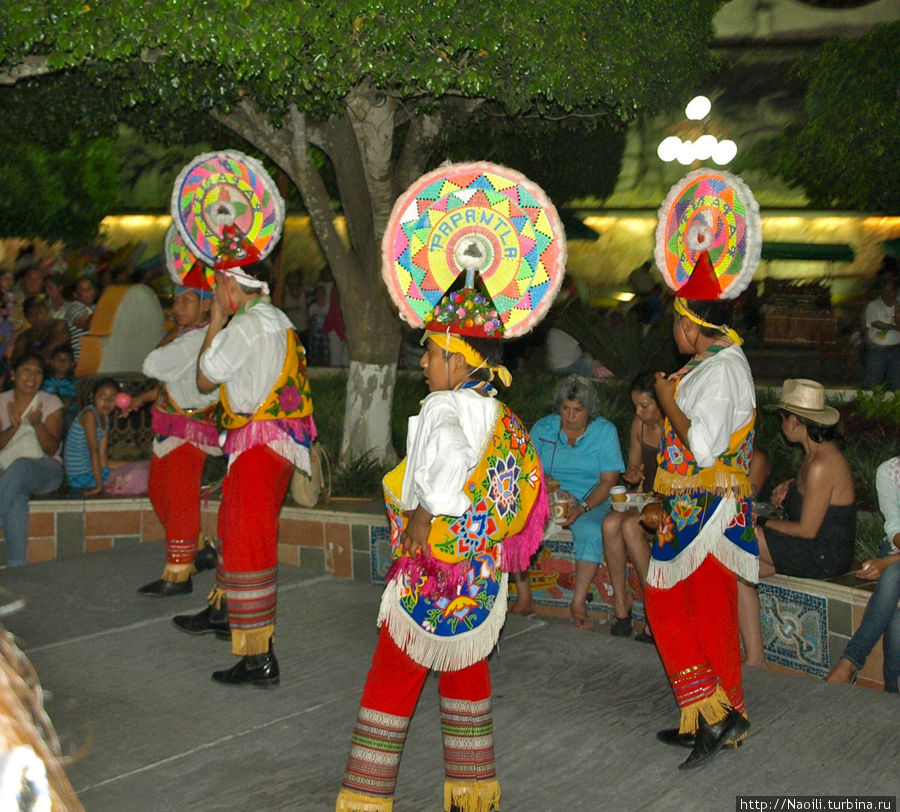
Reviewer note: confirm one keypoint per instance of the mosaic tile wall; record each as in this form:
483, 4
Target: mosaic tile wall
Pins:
552, 578
796, 625
795, 629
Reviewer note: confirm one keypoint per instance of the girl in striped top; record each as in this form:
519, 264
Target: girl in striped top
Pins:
84, 456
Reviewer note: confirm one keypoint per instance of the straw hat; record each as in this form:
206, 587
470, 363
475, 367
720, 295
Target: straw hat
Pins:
805, 398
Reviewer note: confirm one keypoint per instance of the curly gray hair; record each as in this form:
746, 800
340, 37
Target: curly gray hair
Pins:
576, 387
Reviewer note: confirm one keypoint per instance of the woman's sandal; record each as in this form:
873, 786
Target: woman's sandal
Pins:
644, 636
529, 611
582, 622
621, 626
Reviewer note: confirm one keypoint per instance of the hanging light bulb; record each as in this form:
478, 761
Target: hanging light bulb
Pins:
685, 154
724, 152
698, 108
704, 147
668, 148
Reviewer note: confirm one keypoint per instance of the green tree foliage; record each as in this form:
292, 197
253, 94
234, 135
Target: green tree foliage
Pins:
370, 84
58, 194
844, 150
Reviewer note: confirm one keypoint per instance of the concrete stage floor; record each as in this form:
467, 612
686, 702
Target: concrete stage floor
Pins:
574, 712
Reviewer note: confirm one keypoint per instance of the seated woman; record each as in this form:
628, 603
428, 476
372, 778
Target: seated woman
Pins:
816, 539
581, 451
30, 427
882, 615
623, 534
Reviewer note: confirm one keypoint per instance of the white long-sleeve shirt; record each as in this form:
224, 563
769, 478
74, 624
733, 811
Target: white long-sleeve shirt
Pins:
445, 442
248, 356
718, 398
887, 485
175, 365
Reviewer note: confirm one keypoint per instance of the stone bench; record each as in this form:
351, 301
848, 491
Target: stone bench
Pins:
805, 622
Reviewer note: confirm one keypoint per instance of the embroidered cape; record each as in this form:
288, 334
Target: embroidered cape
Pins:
445, 606
706, 511
283, 421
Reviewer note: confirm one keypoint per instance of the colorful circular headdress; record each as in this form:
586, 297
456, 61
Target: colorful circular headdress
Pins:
709, 221
475, 247
185, 270
227, 209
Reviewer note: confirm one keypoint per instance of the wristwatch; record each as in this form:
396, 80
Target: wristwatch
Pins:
584, 505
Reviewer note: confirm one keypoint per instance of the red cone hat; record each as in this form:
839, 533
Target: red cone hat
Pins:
703, 283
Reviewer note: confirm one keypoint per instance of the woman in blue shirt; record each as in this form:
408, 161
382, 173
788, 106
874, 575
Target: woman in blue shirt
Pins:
580, 451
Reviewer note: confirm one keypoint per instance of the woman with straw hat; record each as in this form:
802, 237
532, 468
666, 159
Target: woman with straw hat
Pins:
816, 539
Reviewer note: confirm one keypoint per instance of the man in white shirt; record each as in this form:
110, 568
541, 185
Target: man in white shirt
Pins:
883, 336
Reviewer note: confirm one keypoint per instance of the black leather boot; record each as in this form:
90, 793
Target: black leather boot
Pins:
210, 620
673, 737
165, 589
676, 739
260, 670
712, 738
207, 558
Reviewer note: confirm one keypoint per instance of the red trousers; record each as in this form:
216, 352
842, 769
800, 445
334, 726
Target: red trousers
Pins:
174, 491
389, 699
695, 626
252, 494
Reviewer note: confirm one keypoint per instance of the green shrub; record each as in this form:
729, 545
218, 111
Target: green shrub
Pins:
870, 426
869, 535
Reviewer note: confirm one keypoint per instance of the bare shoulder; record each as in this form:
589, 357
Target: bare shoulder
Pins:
830, 468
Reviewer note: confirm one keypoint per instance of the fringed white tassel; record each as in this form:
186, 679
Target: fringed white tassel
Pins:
442, 653
168, 444
709, 541
285, 447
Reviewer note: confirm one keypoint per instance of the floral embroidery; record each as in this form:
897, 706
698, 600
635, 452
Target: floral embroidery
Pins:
518, 437
289, 398
742, 519
665, 531
504, 479
685, 511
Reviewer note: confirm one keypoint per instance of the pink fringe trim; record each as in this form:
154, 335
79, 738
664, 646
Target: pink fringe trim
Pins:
185, 427
301, 430
518, 549
443, 580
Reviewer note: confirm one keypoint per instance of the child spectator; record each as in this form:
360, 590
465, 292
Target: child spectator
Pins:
7, 328
44, 333
81, 311
318, 341
84, 457
294, 304
61, 382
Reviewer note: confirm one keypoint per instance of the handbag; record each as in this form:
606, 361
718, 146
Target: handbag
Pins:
24, 444
307, 489
129, 480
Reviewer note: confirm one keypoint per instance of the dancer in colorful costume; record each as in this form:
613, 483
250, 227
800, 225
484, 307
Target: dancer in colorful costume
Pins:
705, 541
251, 352
466, 507
185, 432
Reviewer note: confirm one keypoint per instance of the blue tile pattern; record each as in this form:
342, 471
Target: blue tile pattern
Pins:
380, 546
794, 629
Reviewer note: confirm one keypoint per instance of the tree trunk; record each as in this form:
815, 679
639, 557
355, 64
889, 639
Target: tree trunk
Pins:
371, 321
367, 412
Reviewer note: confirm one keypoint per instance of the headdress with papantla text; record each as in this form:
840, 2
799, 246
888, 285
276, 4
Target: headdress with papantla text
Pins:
473, 250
